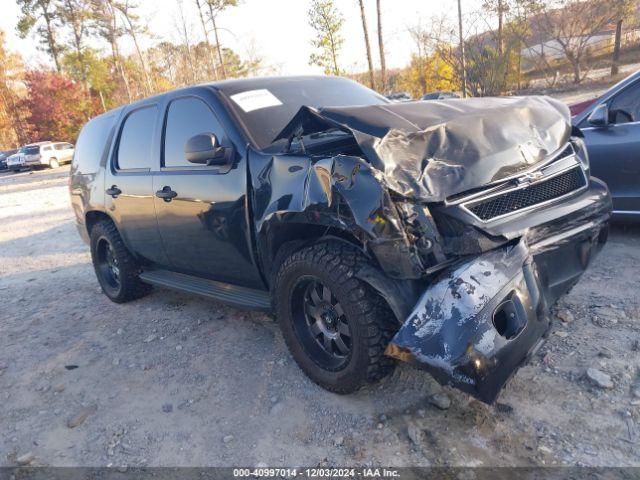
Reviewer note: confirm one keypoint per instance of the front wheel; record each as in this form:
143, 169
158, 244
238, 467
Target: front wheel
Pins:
335, 325
116, 269
53, 163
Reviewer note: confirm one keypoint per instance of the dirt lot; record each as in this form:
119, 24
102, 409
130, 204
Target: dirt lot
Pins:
174, 379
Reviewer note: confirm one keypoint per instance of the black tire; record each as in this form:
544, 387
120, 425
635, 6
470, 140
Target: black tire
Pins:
109, 255
369, 320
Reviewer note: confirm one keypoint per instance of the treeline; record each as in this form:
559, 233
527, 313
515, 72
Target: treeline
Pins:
91, 74
495, 49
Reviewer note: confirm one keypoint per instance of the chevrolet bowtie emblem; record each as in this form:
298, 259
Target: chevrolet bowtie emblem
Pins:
530, 177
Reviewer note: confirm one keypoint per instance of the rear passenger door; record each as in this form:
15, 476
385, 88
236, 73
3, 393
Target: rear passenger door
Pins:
204, 228
129, 195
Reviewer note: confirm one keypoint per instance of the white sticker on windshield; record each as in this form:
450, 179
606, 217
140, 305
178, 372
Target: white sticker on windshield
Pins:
255, 99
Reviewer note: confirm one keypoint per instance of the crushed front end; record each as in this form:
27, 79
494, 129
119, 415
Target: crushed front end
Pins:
479, 213
482, 318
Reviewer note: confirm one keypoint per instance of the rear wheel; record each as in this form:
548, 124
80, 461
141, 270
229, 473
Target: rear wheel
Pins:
117, 270
335, 325
53, 163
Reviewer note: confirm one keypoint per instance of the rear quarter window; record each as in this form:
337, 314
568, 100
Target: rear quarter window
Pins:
92, 143
136, 139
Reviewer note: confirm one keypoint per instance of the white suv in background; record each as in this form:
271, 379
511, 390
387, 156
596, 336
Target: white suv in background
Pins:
41, 154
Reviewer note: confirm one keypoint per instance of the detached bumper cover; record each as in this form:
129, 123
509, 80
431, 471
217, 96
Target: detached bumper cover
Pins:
479, 321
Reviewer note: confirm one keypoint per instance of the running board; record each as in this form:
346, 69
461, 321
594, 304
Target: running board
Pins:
223, 292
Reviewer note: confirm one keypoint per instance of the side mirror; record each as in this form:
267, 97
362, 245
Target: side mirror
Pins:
600, 116
204, 149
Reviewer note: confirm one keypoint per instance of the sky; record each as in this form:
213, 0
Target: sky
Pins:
276, 30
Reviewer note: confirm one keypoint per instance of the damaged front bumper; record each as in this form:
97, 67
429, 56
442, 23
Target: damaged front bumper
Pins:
482, 319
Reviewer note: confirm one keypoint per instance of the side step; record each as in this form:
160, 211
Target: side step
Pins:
223, 292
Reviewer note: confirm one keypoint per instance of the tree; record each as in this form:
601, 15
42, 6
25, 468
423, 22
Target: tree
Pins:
43, 15
205, 31
426, 73
106, 24
93, 69
57, 106
463, 61
133, 28
569, 26
77, 14
12, 123
365, 31
625, 10
215, 8
182, 28
383, 63
327, 21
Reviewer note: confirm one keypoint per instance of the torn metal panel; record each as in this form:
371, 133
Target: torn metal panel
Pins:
477, 322
431, 150
342, 193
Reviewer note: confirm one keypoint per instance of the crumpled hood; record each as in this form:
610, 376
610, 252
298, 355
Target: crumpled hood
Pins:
434, 149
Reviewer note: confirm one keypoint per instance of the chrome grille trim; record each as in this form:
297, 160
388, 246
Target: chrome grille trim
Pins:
563, 156
469, 204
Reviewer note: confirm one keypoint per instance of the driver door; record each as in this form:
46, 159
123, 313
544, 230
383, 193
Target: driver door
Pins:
204, 227
614, 149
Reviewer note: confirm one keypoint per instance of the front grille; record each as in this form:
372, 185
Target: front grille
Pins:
540, 192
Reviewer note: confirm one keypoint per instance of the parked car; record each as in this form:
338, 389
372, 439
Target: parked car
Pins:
3, 158
367, 240
577, 108
41, 154
399, 97
611, 129
439, 95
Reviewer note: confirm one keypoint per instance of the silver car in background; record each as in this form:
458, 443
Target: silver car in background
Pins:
41, 154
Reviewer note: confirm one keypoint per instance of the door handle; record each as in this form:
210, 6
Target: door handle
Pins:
114, 191
166, 194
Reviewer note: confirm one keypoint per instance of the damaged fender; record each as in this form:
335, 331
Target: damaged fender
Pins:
477, 322
343, 194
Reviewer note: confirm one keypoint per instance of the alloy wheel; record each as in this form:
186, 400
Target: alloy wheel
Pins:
321, 324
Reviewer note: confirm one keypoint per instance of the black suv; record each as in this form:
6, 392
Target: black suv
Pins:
438, 233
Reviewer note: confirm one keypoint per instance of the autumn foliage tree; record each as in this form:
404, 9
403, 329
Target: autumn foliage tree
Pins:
57, 106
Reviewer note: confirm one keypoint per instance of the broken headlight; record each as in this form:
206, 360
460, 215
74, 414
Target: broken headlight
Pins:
581, 153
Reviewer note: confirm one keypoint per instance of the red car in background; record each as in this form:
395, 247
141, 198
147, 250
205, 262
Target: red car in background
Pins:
580, 107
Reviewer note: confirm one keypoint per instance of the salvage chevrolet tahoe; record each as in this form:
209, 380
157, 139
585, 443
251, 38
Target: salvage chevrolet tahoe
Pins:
437, 233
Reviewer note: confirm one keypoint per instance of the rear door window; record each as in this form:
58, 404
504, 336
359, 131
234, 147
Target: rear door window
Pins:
187, 117
136, 139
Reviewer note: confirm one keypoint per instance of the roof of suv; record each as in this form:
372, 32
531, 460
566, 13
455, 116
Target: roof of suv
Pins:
236, 84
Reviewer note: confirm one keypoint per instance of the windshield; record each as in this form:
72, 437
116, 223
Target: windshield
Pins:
30, 150
265, 107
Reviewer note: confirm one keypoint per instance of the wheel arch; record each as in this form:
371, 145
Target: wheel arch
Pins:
285, 238
94, 216
399, 295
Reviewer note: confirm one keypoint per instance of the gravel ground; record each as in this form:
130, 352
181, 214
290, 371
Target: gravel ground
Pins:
177, 380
